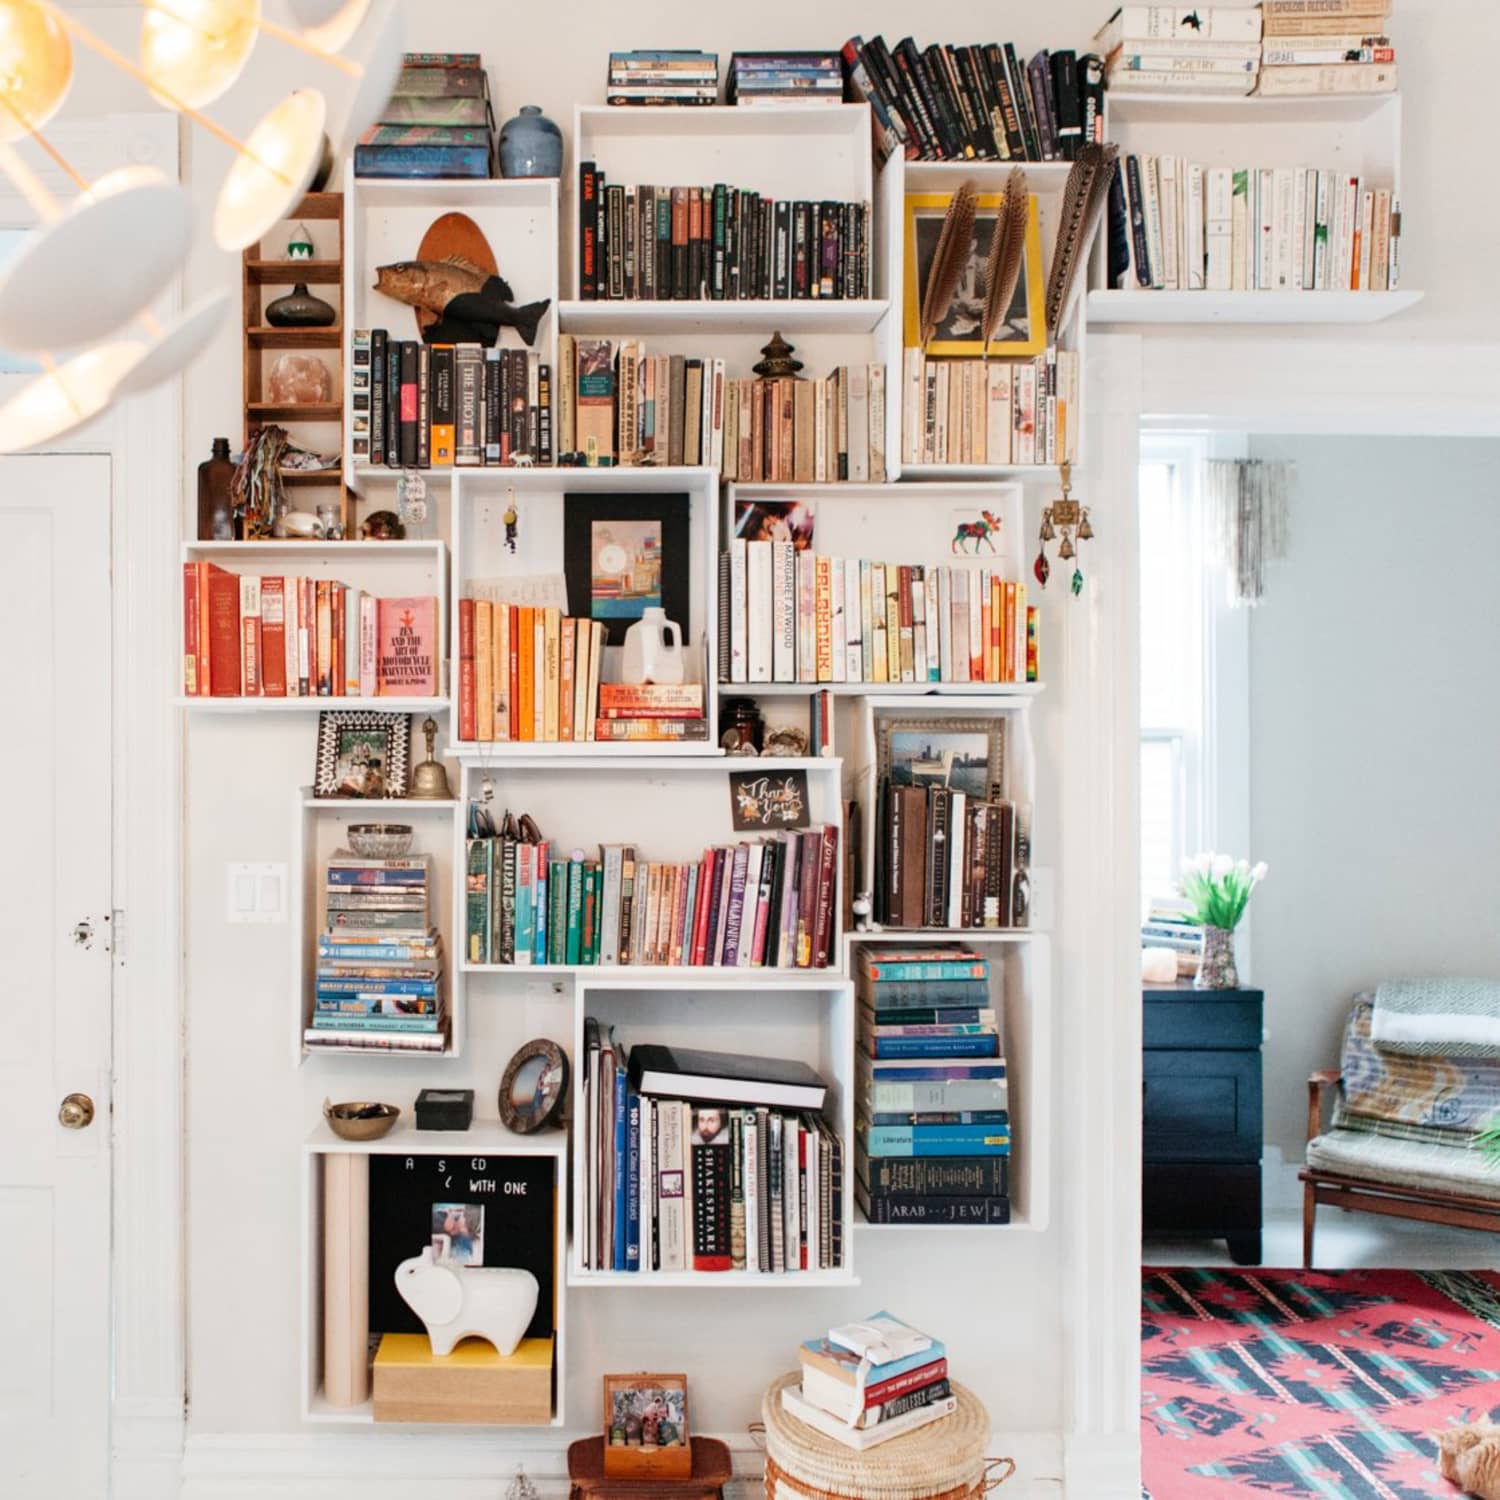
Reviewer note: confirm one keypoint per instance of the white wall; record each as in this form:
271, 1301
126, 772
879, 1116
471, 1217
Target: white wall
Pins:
1373, 731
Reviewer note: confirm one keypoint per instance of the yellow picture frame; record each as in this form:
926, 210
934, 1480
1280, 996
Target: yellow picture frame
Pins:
923, 218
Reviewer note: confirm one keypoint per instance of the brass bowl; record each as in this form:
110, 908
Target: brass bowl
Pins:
380, 840
349, 1121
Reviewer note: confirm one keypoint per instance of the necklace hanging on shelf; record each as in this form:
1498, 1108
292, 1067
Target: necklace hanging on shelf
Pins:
512, 521
1067, 522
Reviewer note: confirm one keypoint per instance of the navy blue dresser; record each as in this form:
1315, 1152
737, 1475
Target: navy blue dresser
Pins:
1202, 1116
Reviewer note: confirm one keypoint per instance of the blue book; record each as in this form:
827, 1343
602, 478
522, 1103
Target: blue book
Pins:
937, 1140
342, 1021
377, 986
918, 1072
937, 1046
824, 1353
617, 1261
953, 1117
341, 875
539, 942
633, 1183
893, 994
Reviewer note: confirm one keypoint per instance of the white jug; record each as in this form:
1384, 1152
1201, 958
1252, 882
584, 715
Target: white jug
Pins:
653, 649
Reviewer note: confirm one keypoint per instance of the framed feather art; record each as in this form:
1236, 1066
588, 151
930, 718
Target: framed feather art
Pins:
950, 238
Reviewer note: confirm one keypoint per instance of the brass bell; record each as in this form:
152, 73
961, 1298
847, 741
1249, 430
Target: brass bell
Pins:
429, 781
1085, 531
1066, 549
1047, 531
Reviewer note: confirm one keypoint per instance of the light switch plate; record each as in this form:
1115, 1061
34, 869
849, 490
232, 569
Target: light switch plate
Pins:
255, 893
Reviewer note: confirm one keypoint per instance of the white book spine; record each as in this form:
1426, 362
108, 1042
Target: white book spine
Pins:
1151, 187
1366, 236
758, 611
853, 663
997, 406
1283, 227
738, 631
1380, 254
1296, 245
784, 612
1167, 197
609, 906
751, 1180
820, 432
753, 859
945, 624
1197, 249
877, 424
806, 615
911, 404
1218, 225
646, 1188
1307, 194
670, 1178
859, 423
866, 620
839, 631
1322, 231
1239, 228
956, 824
1265, 260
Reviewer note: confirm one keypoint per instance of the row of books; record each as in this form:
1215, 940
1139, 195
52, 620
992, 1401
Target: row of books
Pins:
624, 406
419, 406
871, 1381
282, 637
789, 615
650, 76
718, 243
978, 102
997, 411
1333, 47
1153, 48
785, 78
1177, 225
932, 1093
378, 981
438, 121
532, 674
761, 903
696, 1161
947, 857
1167, 925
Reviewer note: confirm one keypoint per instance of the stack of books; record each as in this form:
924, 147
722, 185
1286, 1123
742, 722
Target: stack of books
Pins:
380, 961
436, 406
1326, 47
706, 1161
931, 1096
981, 102
869, 1382
619, 405
271, 636
1167, 926
437, 123
647, 76
1154, 49
761, 903
786, 78
998, 411
1181, 226
945, 857
716, 242
797, 616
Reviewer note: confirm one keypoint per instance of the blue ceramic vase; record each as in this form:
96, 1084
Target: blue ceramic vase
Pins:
530, 145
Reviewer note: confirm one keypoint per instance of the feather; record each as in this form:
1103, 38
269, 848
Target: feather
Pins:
1007, 246
1084, 200
949, 259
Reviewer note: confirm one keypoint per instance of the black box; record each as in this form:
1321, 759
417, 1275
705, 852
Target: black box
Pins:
445, 1109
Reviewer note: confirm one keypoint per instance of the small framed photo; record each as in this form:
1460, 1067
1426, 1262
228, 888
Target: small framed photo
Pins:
461, 1226
646, 1427
775, 521
1022, 329
362, 754
967, 755
624, 554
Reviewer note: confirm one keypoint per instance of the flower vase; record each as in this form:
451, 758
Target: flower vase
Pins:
1216, 970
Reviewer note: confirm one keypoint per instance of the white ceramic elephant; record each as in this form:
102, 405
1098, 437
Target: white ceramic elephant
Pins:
490, 1302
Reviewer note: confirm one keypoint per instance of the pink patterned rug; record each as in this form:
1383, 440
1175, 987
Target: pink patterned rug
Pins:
1307, 1383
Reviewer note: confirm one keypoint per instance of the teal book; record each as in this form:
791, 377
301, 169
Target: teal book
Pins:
937, 1140
543, 914
589, 920
525, 901
930, 964
557, 911
478, 876
575, 912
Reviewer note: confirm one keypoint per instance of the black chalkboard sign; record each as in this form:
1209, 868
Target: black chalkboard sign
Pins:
482, 1210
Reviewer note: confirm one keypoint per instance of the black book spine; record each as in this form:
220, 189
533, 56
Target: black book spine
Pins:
718, 279
614, 230
732, 244
1020, 89
801, 277
905, 1208
1039, 70
1067, 103
601, 246
1118, 244
408, 443
938, 1176
378, 371
781, 278
963, 101
544, 414
994, 62
1091, 97
891, 76
500, 379
1144, 271
520, 402
909, 61
941, 804
949, 135
588, 246
664, 288
424, 410
723, 617
393, 403
976, 81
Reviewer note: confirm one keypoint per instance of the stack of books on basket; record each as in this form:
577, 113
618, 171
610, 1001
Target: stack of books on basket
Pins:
1154, 49
1167, 926
932, 1106
786, 78
705, 1161
869, 1382
437, 123
648, 76
1326, 47
379, 982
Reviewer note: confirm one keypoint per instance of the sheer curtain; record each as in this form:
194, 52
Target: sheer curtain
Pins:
1247, 514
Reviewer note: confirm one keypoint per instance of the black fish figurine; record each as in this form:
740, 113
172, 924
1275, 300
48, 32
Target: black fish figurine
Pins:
471, 305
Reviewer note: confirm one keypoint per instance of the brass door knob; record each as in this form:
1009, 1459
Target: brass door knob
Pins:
76, 1112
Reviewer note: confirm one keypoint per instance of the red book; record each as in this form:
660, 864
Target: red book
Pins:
250, 636
338, 602
467, 708
273, 637
190, 629
406, 648
204, 671
822, 942
911, 1380
223, 632
809, 874
679, 915
701, 903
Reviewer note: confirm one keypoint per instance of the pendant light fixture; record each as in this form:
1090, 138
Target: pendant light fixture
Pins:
194, 50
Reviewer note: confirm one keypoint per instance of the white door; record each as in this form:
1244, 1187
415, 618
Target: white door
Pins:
55, 840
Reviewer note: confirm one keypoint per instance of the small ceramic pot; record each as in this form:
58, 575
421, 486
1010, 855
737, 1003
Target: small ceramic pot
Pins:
530, 145
1216, 968
300, 309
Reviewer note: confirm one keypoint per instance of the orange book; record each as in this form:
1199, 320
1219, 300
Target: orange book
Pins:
190, 572
596, 668
997, 630
565, 680
1008, 638
250, 635
552, 657
583, 711
500, 673
273, 637
443, 405
986, 625
468, 707
513, 655
539, 674
337, 597
525, 708
484, 669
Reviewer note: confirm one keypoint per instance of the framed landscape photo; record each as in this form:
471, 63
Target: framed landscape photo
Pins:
1022, 330
966, 755
624, 554
362, 754
646, 1427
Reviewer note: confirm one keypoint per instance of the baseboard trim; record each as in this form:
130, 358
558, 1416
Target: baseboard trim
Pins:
146, 1449
1102, 1468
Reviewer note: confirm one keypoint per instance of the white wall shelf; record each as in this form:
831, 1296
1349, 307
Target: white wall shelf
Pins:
484, 1138
916, 690
312, 705
1109, 305
827, 315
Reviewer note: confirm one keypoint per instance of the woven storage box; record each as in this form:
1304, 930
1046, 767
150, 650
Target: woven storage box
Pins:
942, 1461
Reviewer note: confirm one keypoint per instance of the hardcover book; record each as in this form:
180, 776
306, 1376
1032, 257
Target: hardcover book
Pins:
407, 648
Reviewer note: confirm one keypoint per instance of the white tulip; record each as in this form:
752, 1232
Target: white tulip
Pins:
1221, 866
1259, 872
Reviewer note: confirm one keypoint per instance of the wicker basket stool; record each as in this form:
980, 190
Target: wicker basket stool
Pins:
942, 1461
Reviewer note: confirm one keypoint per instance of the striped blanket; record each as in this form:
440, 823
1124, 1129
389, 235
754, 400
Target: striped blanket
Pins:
1438, 1017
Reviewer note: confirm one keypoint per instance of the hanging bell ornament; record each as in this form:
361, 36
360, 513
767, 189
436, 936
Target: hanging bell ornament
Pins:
1041, 569
1047, 531
1066, 549
1085, 531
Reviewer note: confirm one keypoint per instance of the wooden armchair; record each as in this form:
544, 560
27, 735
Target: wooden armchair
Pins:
1395, 1199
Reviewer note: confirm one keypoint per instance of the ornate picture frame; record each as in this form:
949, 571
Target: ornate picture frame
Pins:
363, 754
646, 1427
967, 754
624, 552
